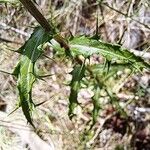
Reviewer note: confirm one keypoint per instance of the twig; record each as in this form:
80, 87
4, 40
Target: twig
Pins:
126, 15
6, 27
9, 41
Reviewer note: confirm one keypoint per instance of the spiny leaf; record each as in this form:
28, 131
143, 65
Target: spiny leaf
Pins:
107, 65
96, 104
77, 75
24, 71
86, 46
96, 36
98, 70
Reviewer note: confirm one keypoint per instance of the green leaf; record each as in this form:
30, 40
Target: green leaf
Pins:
87, 46
24, 71
77, 75
99, 70
96, 104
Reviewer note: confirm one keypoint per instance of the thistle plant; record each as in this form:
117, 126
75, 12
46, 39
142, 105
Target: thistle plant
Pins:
116, 58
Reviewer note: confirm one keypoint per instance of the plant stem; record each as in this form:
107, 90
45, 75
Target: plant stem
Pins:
29, 5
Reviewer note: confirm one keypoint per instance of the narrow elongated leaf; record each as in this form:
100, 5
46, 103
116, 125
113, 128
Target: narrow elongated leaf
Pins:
103, 77
77, 75
96, 104
86, 46
24, 71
